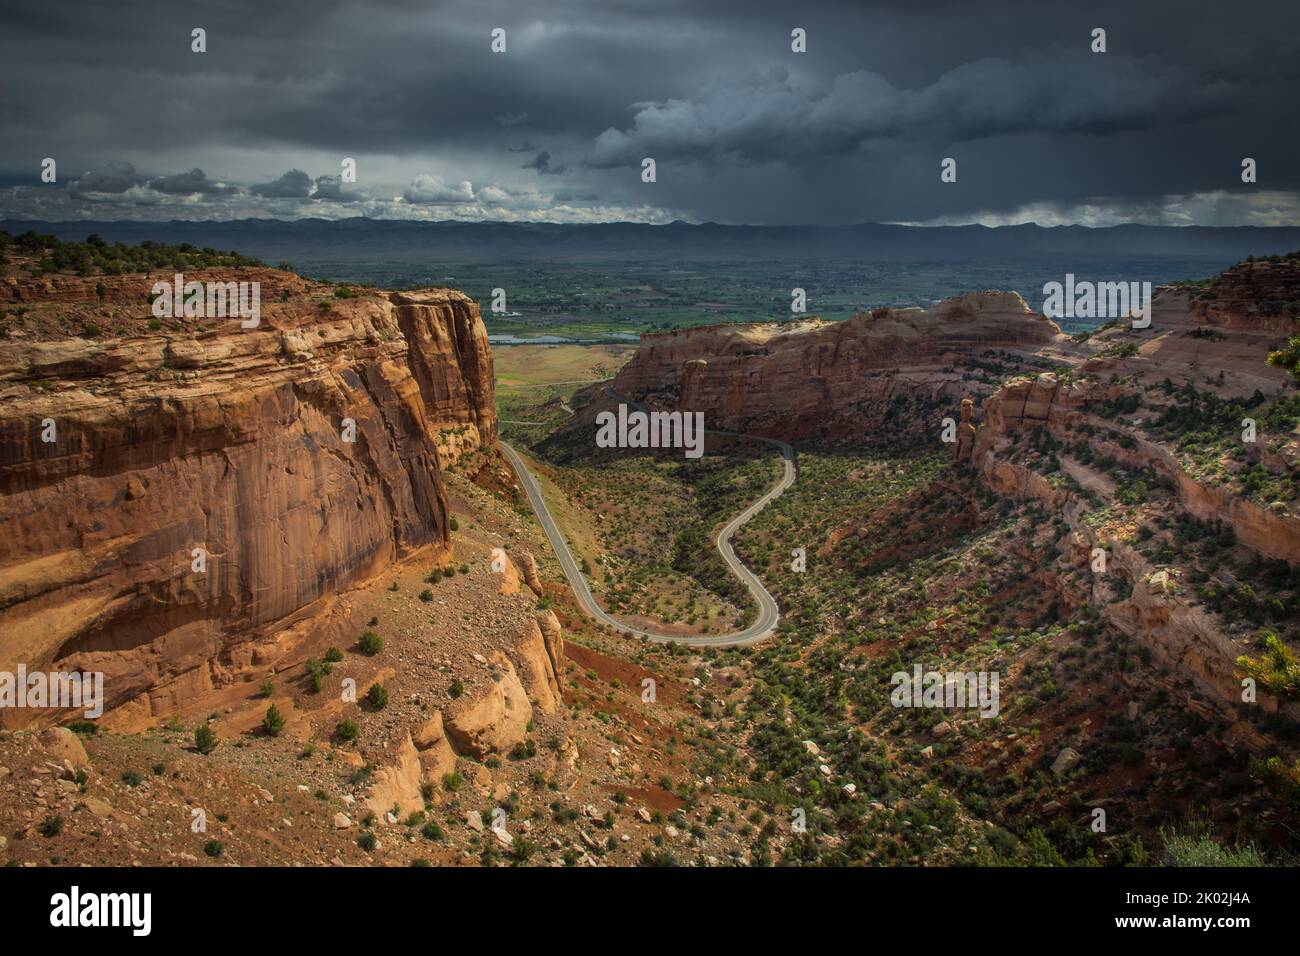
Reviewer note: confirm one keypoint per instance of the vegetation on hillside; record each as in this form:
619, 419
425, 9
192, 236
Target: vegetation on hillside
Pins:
44, 254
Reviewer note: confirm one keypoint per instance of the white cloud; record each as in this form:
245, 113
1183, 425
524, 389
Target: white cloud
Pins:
430, 189
1214, 208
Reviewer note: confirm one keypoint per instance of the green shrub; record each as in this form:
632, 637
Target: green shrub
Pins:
1193, 846
205, 739
273, 722
522, 850
317, 671
370, 643
1281, 777
1276, 670
431, 831
523, 750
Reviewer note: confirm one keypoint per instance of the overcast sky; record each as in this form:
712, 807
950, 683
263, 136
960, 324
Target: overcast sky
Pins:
742, 129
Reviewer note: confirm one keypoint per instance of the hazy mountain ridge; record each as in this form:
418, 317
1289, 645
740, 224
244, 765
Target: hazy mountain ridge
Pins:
456, 241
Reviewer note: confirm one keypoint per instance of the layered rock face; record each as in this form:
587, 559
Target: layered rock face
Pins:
1045, 402
1161, 612
1193, 338
791, 380
451, 360
1184, 639
173, 501
1261, 295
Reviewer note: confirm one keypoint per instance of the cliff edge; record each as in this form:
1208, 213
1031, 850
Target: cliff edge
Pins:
176, 494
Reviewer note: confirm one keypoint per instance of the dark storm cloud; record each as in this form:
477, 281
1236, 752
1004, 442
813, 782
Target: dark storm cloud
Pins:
780, 119
295, 184
191, 182
114, 177
331, 188
742, 128
541, 163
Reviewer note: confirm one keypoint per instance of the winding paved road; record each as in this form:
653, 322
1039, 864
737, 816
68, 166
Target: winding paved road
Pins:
768, 613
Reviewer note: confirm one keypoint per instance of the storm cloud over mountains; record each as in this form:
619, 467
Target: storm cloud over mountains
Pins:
742, 129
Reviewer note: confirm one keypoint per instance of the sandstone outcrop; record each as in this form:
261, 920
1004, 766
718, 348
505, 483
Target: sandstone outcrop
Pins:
1193, 338
542, 653
509, 577
553, 636
800, 378
1045, 402
494, 721
436, 755
173, 499
965, 431
452, 362
527, 565
1258, 295
396, 788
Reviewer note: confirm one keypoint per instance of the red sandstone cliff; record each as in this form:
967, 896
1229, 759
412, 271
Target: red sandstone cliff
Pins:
1259, 295
227, 439
791, 380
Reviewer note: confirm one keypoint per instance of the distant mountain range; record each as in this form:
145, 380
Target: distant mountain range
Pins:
305, 241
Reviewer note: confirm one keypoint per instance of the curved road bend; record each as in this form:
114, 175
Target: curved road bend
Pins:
768, 613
